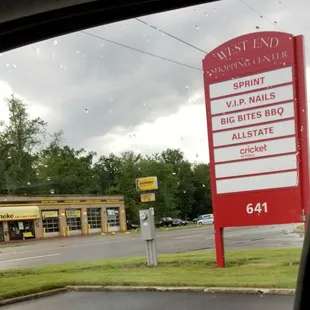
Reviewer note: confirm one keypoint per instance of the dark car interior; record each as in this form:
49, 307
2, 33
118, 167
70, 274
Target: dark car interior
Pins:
27, 21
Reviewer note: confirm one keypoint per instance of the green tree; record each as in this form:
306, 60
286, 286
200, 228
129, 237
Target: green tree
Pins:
183, 171
202, 195
21, 139
64, 170
105, 170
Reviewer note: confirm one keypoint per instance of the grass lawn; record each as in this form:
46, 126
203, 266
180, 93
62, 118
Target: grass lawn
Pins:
264, 268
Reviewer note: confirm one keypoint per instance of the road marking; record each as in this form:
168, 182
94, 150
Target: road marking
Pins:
24, 258
187, 237
67, 247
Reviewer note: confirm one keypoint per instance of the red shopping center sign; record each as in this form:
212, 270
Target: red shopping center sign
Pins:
257, 128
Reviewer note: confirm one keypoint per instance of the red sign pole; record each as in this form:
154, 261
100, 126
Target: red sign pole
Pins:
219, 246
303, 121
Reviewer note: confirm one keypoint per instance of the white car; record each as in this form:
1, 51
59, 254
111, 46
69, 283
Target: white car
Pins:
207, 219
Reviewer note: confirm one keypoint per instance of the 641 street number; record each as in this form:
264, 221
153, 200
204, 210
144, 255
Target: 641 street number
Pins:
254, 208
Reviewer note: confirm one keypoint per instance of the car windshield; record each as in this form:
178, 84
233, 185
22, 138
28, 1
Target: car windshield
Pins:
111, 135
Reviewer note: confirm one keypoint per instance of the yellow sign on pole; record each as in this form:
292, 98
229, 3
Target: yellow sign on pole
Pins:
147, 197
146, 184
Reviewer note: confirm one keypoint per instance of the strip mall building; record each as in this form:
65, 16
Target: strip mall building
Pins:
62, 216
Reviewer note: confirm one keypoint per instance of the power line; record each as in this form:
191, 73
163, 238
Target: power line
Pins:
274, 23
170, 35
141, 51
260, 14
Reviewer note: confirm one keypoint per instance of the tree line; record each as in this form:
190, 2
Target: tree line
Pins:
34, 162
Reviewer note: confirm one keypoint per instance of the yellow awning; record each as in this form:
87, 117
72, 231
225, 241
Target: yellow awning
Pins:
19, 213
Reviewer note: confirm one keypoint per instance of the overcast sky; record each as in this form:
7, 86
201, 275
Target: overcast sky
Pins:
108, 98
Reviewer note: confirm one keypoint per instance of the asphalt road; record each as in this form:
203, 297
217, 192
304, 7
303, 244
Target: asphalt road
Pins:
156, 300
176, 241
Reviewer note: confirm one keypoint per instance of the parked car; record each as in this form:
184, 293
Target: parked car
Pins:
178, 222
131, 226
165, 222
206, 219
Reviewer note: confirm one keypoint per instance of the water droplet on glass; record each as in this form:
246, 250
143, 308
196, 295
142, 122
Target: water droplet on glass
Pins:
9, 157
197, 27
52, 191
37, 173
14, 65
275, 22
61, 66
28, 183
214, 10
84, 55
55, 42
224, 15
85, 110
257, 27
52, 55
144, 104
184, 192
186, 87
101, 56
206, 14
143, 34
111, 100
7, 65
110, 111
48, 178
261, 16
77, 52
203, 185
173, 173
102, 45
196, 155
37, 50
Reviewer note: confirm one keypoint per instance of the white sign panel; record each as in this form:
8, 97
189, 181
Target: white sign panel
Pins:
251, 82
249, 134
253, 131
259, 182
256, 149
256, 166
256, 116
252, 100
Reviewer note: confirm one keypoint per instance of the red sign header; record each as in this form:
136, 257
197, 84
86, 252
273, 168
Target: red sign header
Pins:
249, 53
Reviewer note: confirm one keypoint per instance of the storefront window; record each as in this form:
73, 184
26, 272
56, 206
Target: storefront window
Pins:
113, 216
50, 221
19, 230
94, 217
73, 219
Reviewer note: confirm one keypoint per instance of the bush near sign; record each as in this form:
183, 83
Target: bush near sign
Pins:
146, 184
